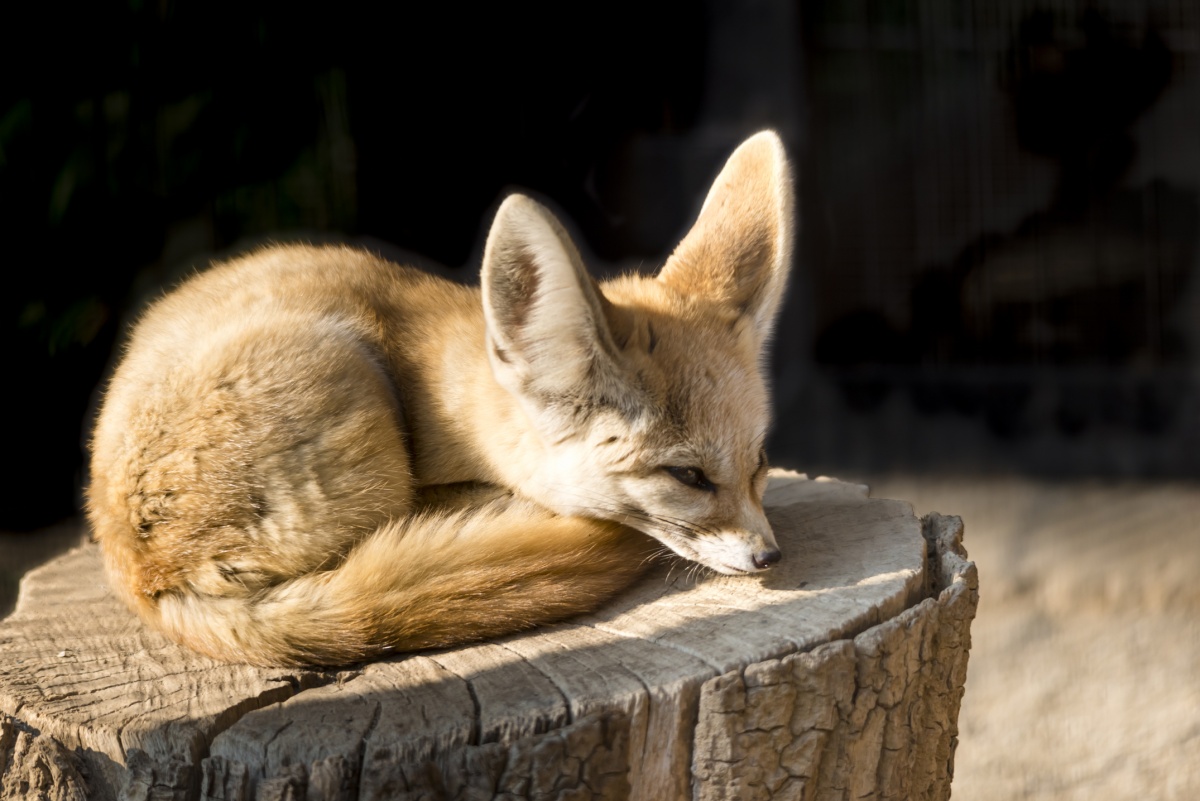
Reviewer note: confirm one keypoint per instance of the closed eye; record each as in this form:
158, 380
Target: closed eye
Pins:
691, 477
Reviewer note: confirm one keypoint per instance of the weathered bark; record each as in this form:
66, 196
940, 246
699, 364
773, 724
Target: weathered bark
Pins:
837, 675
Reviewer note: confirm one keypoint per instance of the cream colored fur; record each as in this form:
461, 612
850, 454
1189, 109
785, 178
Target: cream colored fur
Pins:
289, 461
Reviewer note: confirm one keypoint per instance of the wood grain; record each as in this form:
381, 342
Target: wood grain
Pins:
837, 674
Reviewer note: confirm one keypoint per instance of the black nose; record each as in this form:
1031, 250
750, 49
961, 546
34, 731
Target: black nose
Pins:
764, 559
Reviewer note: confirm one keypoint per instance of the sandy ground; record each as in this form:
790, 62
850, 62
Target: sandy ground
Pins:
1084, 680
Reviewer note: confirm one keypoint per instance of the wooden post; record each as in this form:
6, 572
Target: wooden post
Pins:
838, 674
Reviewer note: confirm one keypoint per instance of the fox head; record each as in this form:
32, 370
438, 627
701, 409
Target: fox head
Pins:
648, 394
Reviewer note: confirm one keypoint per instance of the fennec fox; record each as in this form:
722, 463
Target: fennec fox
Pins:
266, 464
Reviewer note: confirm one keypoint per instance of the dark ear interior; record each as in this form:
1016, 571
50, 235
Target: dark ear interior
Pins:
547, 319
513, 290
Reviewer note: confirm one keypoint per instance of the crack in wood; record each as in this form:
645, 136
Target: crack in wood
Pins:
362, 743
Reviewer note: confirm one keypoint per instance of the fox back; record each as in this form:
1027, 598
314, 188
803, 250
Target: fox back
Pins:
311, 455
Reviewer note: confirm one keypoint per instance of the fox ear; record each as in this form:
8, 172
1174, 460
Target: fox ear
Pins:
739, 251
547, 332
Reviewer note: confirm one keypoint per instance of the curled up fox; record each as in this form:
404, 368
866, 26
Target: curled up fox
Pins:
287, 466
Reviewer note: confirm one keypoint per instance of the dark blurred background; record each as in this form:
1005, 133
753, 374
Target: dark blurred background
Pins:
999, 199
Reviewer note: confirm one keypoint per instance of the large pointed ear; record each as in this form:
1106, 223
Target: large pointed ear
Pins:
547, 332
739, 252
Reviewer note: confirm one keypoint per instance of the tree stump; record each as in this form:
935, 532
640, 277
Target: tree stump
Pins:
837, 674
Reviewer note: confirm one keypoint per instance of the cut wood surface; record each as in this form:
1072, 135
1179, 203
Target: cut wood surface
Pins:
838, 674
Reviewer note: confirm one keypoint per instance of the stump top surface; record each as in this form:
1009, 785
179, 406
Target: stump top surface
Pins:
79, 667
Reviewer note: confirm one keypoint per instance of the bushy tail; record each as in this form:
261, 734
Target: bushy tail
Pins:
438, 579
